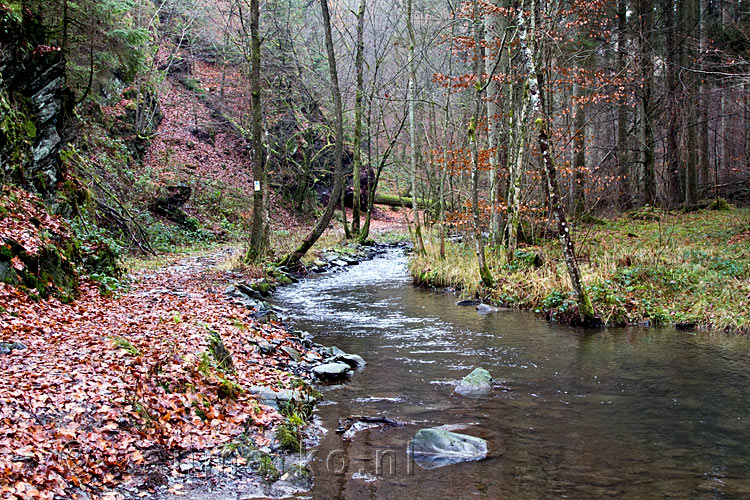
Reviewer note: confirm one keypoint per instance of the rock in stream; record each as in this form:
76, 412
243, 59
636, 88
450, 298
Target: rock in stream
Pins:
477, 383
436, 447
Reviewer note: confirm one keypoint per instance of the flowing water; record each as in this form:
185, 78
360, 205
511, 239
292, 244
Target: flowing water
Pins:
622, 413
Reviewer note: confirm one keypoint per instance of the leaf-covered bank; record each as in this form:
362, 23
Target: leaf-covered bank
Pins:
649, 266
109, 396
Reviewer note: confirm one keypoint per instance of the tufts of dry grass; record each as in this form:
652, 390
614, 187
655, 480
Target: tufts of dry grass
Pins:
658, 267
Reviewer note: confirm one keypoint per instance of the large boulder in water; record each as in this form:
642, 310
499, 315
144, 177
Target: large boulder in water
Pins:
476, 383
436, 447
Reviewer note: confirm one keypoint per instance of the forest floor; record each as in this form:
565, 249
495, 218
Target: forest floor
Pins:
647, 267
97, 392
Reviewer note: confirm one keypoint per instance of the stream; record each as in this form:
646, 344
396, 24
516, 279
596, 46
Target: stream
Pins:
624, 413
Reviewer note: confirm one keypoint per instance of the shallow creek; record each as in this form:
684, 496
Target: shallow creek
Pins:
624, 413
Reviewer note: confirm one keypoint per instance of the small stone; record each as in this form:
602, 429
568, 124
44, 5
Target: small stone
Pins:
8, 347
264, 346
292, 352
274, 398
246, 290
334, 351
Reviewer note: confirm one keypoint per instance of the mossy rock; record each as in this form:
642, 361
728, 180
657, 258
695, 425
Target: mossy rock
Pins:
48, 272
262, 287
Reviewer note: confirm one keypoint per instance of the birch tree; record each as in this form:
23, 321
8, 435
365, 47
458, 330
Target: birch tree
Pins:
528, 37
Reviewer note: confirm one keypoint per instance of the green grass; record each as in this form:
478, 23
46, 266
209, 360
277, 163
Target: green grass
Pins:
664, 268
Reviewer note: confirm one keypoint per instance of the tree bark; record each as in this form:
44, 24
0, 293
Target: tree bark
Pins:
418, 242
645, 12
359, 65
484, 271
691, 101
492, 26
292, 260
726, 123
258, 241
703, 139
623, 162
672, 159
535, 85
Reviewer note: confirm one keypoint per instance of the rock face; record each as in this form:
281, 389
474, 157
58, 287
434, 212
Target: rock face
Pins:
475, 384
35, 104
331, 371
433, 448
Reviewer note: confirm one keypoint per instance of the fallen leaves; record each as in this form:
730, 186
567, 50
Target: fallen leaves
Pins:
77, 412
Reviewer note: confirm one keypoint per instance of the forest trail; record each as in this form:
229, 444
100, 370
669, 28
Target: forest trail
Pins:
103, 390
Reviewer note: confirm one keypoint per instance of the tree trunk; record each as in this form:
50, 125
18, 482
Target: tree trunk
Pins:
726, 123
492, 26
446, 125
623, 163
258, 241
517, 142
359, 65
535, 85
293, 259
484, 271
645, 131
672, 159
579, 151
418, 242
691, 101
704, 159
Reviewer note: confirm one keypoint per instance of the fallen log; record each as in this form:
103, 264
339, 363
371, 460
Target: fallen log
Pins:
401, 201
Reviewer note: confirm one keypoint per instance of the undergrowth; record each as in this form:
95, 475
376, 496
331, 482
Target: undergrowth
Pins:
653, 267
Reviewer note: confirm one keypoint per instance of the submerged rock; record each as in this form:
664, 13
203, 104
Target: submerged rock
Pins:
486, 309
476, 383
436, 447
331, 371
467, 302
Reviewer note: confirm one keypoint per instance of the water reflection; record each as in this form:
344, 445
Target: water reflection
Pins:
628, 413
